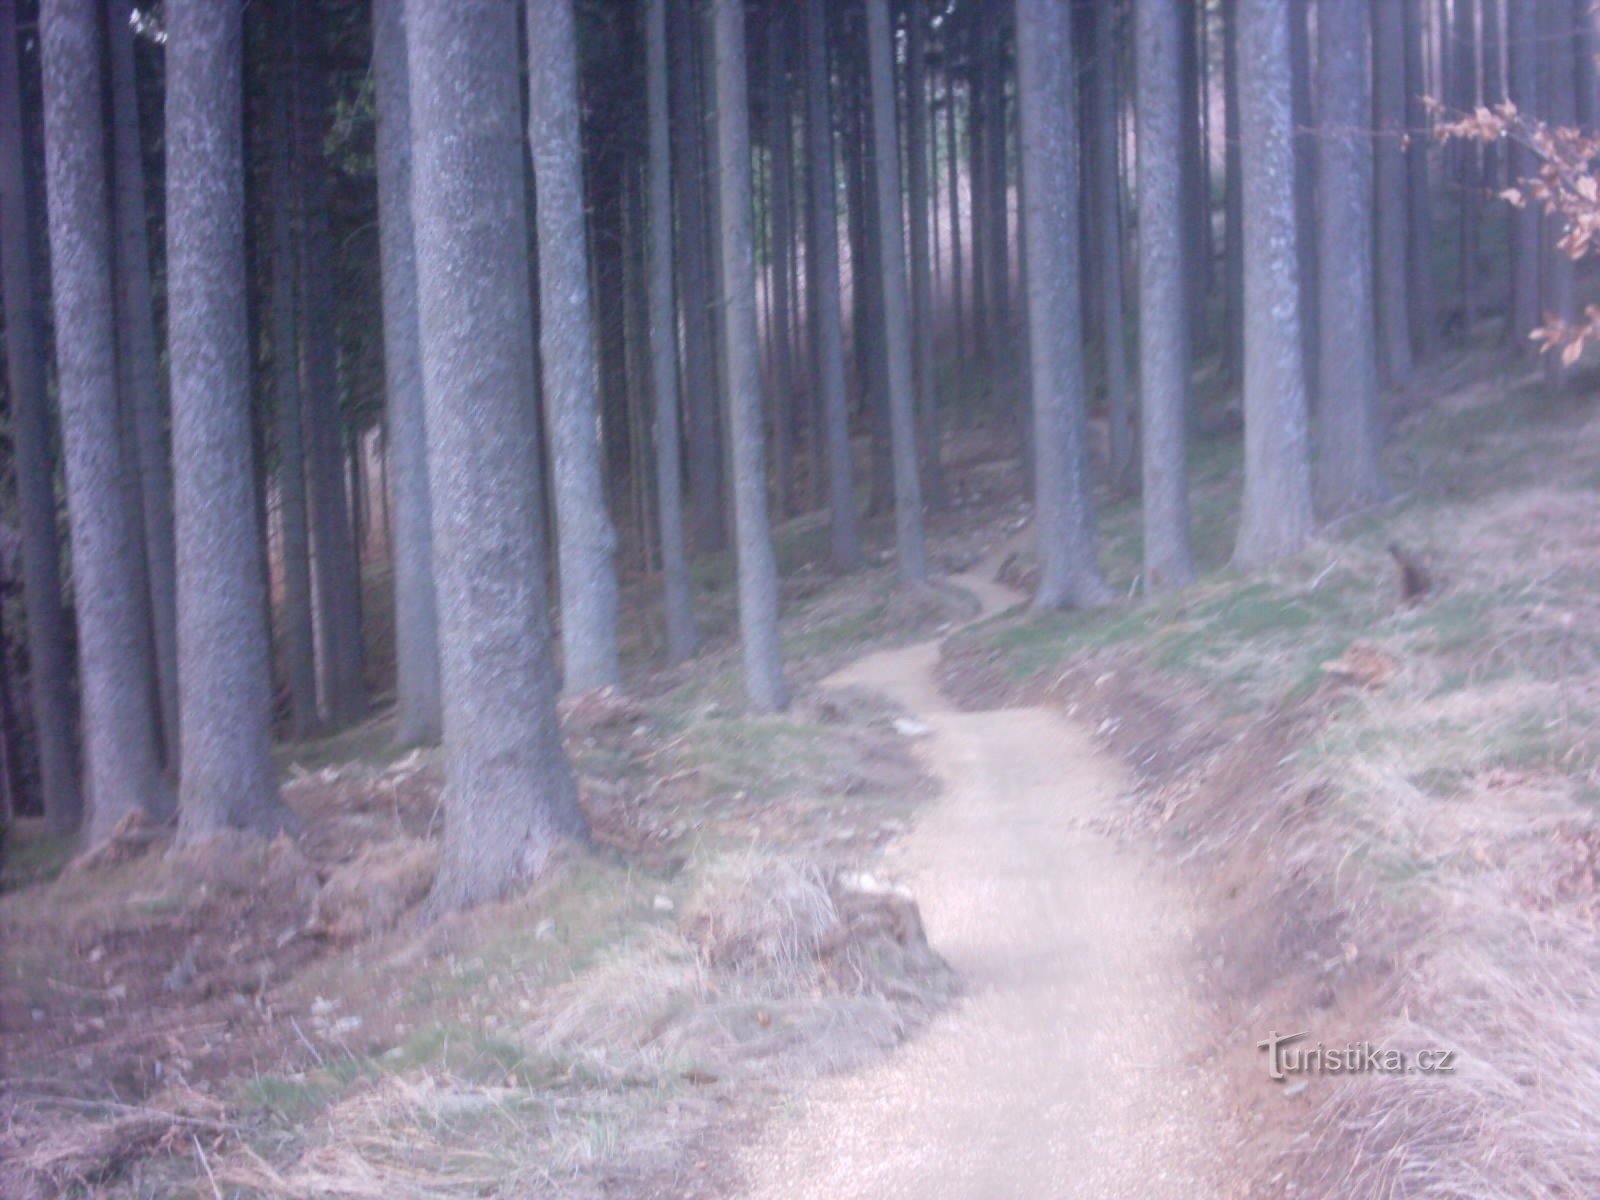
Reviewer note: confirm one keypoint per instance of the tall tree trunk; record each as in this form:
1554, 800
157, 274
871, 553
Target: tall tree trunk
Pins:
695, 280
1389, 205
1191, 156
663, 326
1276, 520
1522, 28
586, 542
780, 154
1467, 158
226, 776
1419, 204
1063, 510
928, 435
299, 644
1233, 200
897, 316
997, 230
977, 189
758, 568
822, 272
49, 633
139, 368
419, 716
119, 720
512, 794
338, 571
1106, 179
1348, 475
953, 184
1164, 338
1305, 186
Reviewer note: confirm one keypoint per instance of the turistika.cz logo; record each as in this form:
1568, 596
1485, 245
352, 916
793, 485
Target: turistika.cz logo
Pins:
1288, 1054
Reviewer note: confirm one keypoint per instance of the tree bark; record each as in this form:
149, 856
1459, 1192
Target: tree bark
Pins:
1419, 203
909, 548
780, 155
822, 272
511, 793
1389, 213
922, 318
586, 543
1063, 511
1233, 200
419, 715
1106, 178
1305, 187
119, 720
1276, 520
224, 669
681, 634
757, 567
299, 643
703, 426
139, 370
1348, 476
49, 633
953, 183
1522, 71
338, 572
1164, 338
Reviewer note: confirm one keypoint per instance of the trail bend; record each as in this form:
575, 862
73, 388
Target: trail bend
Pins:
1066, 1068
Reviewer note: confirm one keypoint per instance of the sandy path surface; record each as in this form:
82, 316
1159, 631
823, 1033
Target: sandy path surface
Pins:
1065, 1070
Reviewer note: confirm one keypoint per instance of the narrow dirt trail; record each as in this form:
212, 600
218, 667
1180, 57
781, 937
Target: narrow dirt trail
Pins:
1066, 1068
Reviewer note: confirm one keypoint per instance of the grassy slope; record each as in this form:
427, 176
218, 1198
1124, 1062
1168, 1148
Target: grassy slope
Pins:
610, 1030
1432, 839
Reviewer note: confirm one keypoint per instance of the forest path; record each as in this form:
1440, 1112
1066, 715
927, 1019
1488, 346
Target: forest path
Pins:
1065, 1069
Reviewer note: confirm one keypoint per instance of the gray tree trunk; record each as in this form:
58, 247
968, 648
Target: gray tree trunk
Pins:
1164, 338
1276, 519
780, 152
224, 660
1305, 187
586, 544
418, 717
1348, 475
511, 794
299, 644
1389, 205
49, 640
139, 370
1107, 238
1233, 201
952, 150
1522, 88
822, 272
702, 426
338, 570
929, 439
1069, 575
758, 568
1419, 206
663, 326
119, 720
897, 316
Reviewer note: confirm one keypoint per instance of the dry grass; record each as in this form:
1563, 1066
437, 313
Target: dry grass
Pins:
1392, 806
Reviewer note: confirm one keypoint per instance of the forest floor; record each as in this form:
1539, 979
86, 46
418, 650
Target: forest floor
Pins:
1082, 863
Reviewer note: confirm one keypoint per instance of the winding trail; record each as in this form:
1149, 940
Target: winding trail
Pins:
1066, 1070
